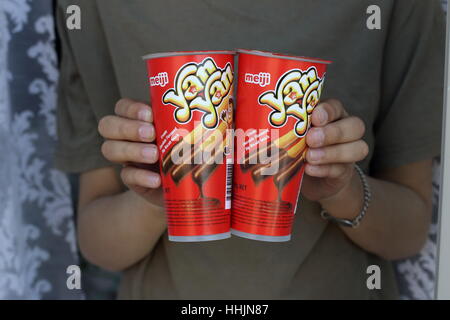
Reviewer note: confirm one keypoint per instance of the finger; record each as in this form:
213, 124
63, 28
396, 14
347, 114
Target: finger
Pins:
123, 151
135, 110
339, 153
132, 176
333, 171
341, 131
328, 111
118, 128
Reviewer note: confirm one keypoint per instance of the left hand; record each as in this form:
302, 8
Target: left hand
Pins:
334, 145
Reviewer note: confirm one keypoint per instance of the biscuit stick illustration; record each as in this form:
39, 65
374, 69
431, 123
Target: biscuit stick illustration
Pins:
190, 140
202, 172
251, 159
187, 143
188, 164
283, 160
286, 173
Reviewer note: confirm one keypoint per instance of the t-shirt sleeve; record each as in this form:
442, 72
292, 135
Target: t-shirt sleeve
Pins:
84, 75
409, 123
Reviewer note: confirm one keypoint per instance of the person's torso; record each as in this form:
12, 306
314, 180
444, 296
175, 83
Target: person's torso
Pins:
319, 261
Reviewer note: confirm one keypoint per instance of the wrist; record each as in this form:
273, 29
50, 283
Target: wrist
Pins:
348, 201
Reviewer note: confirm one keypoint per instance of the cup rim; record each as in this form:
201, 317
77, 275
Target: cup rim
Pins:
185, 53
282, 56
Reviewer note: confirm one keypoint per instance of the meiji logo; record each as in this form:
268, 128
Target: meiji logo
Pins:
161, 79
262, 78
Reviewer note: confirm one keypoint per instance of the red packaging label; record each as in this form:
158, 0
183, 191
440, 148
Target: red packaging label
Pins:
191, 98
275, 98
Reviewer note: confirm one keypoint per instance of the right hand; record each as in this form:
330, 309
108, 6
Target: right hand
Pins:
128, 135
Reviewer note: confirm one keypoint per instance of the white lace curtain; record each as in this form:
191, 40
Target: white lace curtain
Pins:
37, 240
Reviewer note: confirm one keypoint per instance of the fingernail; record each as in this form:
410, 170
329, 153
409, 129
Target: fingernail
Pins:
145, 115
318, 137
322, 115
149, 153
154, 181
146, 132
316, 154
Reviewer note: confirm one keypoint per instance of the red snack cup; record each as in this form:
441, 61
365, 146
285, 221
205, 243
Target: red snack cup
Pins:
191, 95
276, 95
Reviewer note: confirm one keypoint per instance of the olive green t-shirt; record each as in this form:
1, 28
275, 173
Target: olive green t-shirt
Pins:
392, 78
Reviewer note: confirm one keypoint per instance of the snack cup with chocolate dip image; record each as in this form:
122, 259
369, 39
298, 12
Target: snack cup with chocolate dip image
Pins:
276, 96
191, 97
